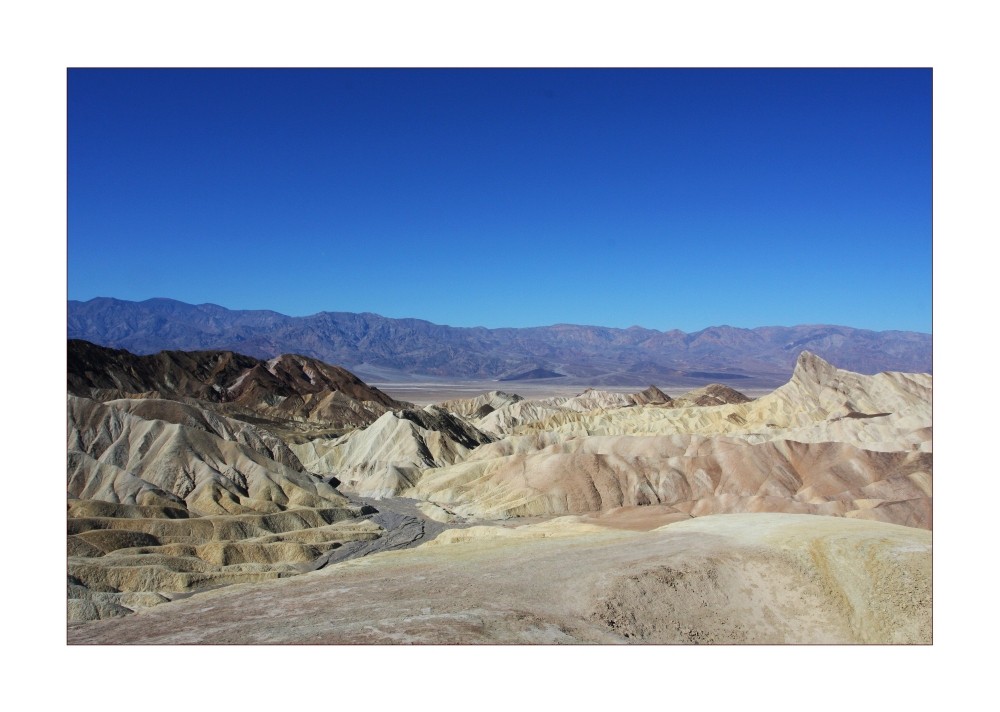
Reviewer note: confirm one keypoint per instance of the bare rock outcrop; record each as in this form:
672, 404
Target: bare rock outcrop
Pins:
480, 406
388, 456
652, 396
712, 394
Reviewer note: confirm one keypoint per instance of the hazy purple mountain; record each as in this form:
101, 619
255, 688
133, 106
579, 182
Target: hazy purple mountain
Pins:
613, 356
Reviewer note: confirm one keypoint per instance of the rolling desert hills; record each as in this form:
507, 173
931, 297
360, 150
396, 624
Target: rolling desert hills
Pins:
828, 442
216, 481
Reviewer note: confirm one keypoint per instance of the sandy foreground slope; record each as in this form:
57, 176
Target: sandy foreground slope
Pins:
737, 578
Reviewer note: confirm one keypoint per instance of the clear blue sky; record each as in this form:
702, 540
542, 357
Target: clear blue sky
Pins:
662, 198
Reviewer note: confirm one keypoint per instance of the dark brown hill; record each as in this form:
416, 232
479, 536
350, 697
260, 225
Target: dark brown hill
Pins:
712, 394
652, 396
195, 374
289, 387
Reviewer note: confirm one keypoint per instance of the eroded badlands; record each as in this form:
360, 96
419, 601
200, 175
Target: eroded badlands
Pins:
802, 516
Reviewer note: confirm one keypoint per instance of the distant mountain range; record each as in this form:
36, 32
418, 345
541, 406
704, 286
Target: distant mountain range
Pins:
369, 344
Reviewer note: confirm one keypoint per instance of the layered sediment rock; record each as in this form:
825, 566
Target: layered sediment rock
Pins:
166, 498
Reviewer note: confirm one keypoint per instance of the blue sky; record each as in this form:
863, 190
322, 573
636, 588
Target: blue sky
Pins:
662, 198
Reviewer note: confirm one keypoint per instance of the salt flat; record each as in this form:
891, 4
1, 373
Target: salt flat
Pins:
429, 392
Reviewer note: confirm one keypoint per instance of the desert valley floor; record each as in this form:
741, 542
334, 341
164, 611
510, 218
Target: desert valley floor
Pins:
216, 498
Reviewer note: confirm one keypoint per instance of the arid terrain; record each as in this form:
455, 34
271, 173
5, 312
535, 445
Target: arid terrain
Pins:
221, 498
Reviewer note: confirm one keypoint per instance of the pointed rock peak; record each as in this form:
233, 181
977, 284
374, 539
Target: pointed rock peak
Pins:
810, 367
651, 395
386, 417
272, 365
720, 394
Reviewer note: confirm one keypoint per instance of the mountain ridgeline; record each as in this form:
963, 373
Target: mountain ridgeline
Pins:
285, 390
368, 342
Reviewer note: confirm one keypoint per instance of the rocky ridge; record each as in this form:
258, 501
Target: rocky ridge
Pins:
284, 390
601, 355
